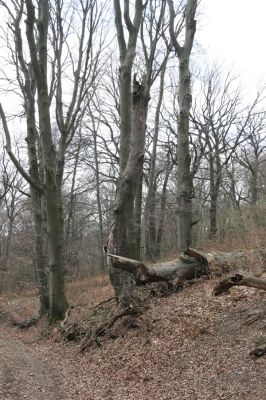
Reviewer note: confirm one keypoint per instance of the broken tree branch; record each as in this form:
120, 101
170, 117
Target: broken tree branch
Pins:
239, 280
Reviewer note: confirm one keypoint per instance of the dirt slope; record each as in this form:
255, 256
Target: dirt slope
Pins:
187, 346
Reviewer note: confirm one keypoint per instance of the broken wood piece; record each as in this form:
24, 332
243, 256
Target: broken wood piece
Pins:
239, 280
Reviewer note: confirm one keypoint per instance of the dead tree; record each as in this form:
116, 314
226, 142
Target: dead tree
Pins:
190, 265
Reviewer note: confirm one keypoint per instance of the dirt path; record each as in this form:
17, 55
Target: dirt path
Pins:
25, 374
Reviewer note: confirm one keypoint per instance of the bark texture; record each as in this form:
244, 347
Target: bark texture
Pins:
184, 176
122, 238
190, 265
38, 53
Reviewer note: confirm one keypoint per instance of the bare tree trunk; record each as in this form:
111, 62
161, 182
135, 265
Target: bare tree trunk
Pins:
8, 239
138, 213
38, 52
149, 211
213, 201
122, 238
162, 211
184, 176
98, 196
40, 257
254, 191
36, 198
69, 219
127, 55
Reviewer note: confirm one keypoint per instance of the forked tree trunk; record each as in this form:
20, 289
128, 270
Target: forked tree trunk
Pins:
38, 52
122, 238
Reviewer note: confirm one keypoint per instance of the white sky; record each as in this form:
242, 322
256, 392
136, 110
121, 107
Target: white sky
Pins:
233, 32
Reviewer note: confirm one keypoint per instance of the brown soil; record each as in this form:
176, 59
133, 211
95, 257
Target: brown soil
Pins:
190, 345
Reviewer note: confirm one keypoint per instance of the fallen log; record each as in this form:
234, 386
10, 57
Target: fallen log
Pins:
182, 269
190, 265
239, 280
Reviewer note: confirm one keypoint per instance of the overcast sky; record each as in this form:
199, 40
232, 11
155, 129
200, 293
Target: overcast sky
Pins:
233, 32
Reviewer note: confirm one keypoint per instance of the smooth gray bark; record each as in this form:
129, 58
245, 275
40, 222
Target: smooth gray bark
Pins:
160, 228
184, 176
38, 53
98, 197
149, 210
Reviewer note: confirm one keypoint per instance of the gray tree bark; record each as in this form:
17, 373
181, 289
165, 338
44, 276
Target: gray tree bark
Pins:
192, 264
122, 239
38, 53
184, 176
160, 228
149, 210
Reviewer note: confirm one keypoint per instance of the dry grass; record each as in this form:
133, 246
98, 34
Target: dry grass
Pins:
255, 238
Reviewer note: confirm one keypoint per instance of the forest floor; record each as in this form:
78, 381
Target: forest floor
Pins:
190, 345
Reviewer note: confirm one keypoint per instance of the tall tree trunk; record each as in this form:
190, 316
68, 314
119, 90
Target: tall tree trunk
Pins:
40, 257
125, 114
38, 52
8, 240
162, 211
184, 176
138, 213
213, 201
254, 192
98, 196
36, 201
57, 298
122, 238
70, 214
215, 183
149, 211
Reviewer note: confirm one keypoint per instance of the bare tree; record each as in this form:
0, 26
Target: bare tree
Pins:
122, 236
41, 74
251, 153
184, 180
220, 122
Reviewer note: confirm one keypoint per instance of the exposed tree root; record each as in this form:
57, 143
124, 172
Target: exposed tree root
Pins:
92, 336
105, 319
26, 323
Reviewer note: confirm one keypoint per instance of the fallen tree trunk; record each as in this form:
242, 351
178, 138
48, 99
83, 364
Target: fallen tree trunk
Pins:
190, 265
239, 280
